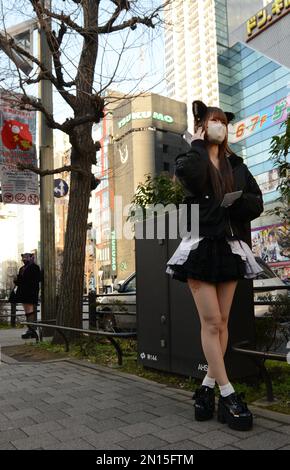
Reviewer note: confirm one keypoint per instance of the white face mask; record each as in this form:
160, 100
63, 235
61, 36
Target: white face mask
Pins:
216, 132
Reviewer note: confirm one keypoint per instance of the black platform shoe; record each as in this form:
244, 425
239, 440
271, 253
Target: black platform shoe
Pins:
233, 411
204, 403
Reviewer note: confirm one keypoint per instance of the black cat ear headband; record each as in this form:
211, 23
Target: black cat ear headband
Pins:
199, 110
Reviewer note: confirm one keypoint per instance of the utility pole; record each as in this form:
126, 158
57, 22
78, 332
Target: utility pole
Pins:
47, 225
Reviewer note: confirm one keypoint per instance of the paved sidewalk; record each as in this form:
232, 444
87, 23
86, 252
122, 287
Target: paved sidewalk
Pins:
70, 405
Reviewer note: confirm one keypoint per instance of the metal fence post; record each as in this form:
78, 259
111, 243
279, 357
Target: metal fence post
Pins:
92, 309
13, 315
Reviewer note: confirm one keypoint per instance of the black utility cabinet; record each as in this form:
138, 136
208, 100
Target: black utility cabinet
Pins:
168, 326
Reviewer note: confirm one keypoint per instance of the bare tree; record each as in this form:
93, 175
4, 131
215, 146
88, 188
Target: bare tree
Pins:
87, 23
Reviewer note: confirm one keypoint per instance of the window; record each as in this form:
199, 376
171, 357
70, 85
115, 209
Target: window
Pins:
105, 199
105, 162
105, 215
130, 286
166, 166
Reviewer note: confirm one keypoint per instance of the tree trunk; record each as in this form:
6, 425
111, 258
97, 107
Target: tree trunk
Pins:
69, 308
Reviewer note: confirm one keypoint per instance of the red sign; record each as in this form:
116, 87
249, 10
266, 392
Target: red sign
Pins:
20, 198
8, 197
33, 199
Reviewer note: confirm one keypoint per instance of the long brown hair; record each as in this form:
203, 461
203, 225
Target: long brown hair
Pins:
222, 180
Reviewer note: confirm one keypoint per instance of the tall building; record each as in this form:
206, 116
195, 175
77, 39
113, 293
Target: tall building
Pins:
242, 46
139, 135
267, 31
196, 32
240, 11
191, 52
254, 82
102, 273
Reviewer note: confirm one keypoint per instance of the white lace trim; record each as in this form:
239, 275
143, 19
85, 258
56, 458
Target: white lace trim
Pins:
238, 247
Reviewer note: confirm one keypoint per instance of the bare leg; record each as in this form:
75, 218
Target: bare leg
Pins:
225, 294
206, 301
29, 312
28, 309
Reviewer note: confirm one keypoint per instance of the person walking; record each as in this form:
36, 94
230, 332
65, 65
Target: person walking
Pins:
27, 291
213, 262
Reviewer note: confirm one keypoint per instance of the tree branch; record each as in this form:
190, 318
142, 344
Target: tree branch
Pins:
66, 19
121, 5
36, 104
56, 53
34, 169
132, 23
10, 44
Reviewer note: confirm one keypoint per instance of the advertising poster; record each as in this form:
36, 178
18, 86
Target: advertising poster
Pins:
17, 145
271, 243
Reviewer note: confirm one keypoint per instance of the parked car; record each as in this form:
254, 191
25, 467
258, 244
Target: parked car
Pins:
117, 311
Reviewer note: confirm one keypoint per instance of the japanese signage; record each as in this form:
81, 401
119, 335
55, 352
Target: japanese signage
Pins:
113, 251
17, 145
274, 114
267, 16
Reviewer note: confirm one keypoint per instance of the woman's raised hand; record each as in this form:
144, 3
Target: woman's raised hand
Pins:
199, 134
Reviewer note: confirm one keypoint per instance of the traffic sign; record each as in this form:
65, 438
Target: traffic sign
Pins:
60, 188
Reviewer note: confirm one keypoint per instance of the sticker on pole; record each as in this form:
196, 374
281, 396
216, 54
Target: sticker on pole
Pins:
60, 188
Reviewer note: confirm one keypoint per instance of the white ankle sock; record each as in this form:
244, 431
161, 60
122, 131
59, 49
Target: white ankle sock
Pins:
226, 390
208, 382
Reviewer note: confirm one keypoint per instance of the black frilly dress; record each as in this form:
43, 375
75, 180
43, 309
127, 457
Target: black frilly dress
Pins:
216, 255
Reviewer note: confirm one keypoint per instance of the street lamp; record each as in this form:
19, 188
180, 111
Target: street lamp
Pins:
22, 34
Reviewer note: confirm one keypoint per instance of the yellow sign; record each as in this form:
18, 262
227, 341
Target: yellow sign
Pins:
267, 16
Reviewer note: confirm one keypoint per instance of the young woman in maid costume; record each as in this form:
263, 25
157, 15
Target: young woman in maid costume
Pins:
212, 263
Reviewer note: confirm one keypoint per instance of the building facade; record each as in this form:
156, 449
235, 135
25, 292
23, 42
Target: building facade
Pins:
61, 158
254, 83
140, 135
196, 32
191, 52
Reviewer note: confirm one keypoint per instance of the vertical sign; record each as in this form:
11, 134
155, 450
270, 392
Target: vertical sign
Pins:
17, 145
113, 252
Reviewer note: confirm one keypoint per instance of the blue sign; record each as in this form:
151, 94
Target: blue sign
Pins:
60, 188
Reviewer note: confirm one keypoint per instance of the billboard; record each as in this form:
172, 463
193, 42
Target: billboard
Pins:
267, 16
271, 244
274, 114
17, 145
149, 111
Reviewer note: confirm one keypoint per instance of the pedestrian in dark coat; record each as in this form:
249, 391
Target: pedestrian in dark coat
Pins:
27, 290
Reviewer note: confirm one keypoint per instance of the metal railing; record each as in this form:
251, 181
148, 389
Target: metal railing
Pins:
258, 289
91, 304
16, 312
